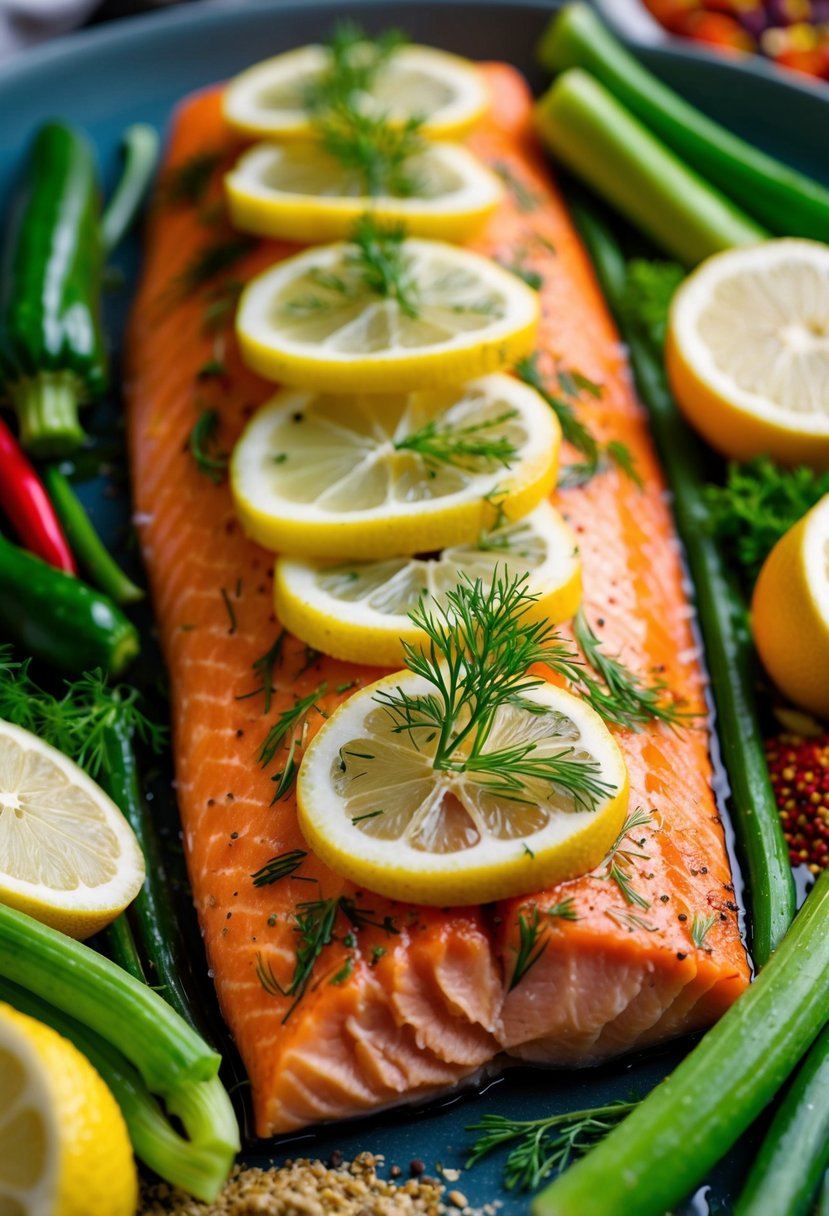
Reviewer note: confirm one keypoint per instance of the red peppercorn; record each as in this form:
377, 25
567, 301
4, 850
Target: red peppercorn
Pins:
799, 772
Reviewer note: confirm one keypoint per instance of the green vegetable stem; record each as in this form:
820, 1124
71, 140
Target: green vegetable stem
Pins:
87, 546
795, 1153
140, 147
785, 201
661, 1151
60, 619
51, 347
199, 1162
720, 606
603, 144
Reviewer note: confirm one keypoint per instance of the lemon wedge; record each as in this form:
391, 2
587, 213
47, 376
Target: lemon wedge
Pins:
374, 808
790, 612
300, 192
358, 611
748, 351
67, 855
379, 476
384, 315
64, 1148
445, 91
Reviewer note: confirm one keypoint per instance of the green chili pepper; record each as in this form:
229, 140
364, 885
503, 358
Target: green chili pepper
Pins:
60, 619
52, 355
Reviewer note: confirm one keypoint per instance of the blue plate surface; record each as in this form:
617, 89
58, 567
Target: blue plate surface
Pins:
137, 70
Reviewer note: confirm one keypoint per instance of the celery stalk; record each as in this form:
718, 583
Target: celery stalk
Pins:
595, 137
166, 1051
787, 202
200, 1164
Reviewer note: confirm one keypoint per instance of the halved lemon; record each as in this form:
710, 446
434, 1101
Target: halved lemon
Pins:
318, 475
323, 319
64, 1148
447, 92
67, 855
790, 612
358, 611
301, 193
748, 351
374, 808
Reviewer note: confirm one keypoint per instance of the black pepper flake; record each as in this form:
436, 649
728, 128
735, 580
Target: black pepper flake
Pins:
703, 869
336, 1159
229, 797
211, 801
234, 835
272, 919
680, 955
664, 898
239, 733
228, 916
682, 916
417, 1167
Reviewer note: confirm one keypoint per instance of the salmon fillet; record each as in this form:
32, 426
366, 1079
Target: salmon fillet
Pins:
402, 1001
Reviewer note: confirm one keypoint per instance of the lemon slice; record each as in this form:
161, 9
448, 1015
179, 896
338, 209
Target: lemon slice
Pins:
748, 351
374, 808
445, 91
395, 317
67, 855
300, 192
790, 612
357, 611
64, 1148
318, 475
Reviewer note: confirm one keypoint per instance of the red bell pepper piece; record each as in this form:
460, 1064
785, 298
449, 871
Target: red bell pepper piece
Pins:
29, 508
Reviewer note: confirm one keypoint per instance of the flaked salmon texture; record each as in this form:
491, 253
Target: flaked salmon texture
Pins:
409, 1001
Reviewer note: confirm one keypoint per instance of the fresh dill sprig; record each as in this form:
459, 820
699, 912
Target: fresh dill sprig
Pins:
620, 455
212, 260
544, 1146
282, 866
203, 438
264, 667
623, 696
480, 646
379, 155
384, 267
465, 447
630, 920
314, 923
532, 943
354, 61
232, 623
78, 722
523, 196
621, 856
189, 181
518, 266
288, 732
700, 928
565, 909
572, 429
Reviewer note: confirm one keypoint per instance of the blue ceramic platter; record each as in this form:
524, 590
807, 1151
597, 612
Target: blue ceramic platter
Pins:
137, 70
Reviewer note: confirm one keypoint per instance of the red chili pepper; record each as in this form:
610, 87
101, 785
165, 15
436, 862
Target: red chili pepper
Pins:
29, 508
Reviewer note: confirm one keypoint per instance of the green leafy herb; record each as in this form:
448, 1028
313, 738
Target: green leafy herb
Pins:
466, 447
630, 920
621, 695
379, 155
264, 667
524, 196
531, 945
231, 611
620, 454
700, 927
77, 722
649, 289
480, 648
758, 503
574, 431
565, 909
189, 181
518, 266
621, 857
353, 63
288, 732
383, 265
212, 260
344, 972
544, 1146
220, 305
203, 438
281, 866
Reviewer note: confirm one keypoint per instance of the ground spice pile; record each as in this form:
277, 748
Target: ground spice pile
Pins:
312, 1188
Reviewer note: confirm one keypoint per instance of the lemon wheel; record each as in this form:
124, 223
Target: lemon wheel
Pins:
790, 612
64, 1148
748, 351
446, 91
414, 314
299, 192
374, 808
358, 611
370, 477
67, 855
